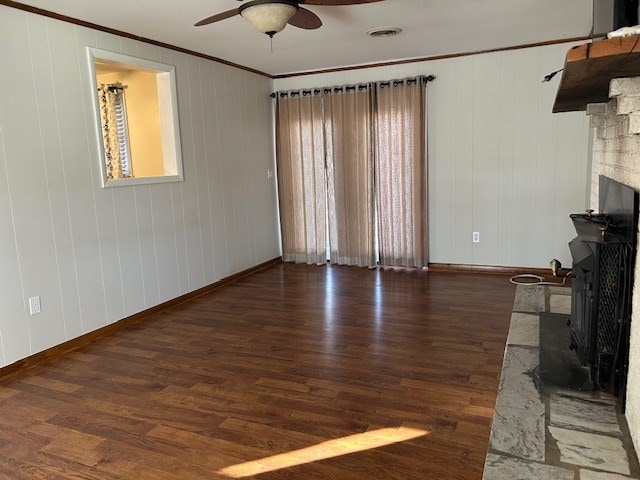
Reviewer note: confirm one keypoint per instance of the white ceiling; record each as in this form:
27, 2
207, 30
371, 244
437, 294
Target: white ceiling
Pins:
430, 27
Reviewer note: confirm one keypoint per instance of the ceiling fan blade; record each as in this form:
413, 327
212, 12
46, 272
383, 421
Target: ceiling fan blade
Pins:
217, 17
337, 2
306, 19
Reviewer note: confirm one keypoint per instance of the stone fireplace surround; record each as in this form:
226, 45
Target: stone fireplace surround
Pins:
616, 154
555, 433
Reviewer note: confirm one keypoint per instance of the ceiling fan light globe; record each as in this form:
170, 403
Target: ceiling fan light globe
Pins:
269, 18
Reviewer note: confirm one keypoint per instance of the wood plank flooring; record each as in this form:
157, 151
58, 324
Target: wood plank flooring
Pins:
298, 372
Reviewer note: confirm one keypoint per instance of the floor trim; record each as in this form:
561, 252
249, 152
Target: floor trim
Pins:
89, 337
493, 269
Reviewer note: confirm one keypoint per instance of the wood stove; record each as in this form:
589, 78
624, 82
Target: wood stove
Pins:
603, 256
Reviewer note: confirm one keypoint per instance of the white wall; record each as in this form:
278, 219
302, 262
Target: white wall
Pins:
499, 161
97, 255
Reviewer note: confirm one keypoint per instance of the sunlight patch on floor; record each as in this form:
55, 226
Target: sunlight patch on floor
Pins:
329, 449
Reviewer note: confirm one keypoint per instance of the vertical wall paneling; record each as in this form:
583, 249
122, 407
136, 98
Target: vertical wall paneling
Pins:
13, 325
526, 111
546, 161
191, 198
96, 255
506, 154
215, 184
130, 249
188, 82
128, 46
572, 143
54, 174
242, 172
240, 208
248, 164
181, 237
258, 167
204, 193
230, 169
223, 96
3, 357
226, 259
500, 162
247, 171
442, 179
463, 148
202, 205
31, 215
242, 216
147, 245
149, 52
486, 159
177, 213
260, 164
266, 196
165, 242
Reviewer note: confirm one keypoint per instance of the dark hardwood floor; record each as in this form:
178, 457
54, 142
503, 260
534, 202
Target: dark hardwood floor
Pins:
299, 372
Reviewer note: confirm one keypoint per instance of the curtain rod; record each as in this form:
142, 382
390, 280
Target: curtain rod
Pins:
114, 87
349, 88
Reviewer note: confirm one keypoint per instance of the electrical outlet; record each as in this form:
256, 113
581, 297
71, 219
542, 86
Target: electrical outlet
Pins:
34, 305
476, 237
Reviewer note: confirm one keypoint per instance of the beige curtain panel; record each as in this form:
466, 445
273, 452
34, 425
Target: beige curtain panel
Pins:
348, 128
401, 175
352, 174
301, 178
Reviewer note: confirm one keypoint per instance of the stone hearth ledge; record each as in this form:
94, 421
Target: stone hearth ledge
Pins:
583, 426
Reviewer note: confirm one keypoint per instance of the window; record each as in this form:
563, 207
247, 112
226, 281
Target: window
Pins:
137, 130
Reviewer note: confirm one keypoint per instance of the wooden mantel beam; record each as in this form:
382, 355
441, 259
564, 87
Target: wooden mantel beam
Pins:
589, 68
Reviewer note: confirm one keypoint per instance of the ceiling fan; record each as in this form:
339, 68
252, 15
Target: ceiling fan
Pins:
271, 16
